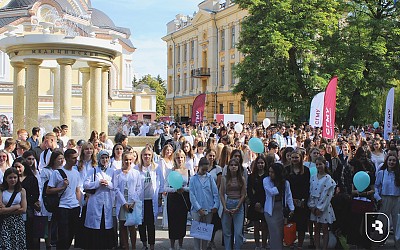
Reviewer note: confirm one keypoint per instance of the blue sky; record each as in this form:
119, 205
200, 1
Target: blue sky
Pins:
147, 20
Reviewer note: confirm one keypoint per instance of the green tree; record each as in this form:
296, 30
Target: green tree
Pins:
293, 48
158, 84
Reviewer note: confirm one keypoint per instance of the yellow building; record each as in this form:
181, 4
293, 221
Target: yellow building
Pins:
201, 54
63, 62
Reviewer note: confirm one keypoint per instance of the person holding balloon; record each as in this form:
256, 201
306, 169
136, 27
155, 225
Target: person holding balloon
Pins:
151, 177
166, 163
364, 187
178, 204
204, 198
322, 188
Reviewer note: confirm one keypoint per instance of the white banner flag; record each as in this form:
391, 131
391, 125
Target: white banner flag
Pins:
316, 110
388, 128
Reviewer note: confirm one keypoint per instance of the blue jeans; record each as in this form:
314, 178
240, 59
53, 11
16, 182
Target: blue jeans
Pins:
237, 219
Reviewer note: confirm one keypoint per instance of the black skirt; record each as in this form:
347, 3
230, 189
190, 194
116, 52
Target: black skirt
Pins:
100, 238
178, 206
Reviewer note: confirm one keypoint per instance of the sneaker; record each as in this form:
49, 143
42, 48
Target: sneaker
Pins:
145, 248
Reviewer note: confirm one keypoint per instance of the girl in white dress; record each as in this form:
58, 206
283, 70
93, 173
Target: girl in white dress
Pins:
322, 187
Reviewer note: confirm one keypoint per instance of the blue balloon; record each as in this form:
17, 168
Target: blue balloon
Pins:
256, 145
376, 124
175, 180
361, 180
313, 171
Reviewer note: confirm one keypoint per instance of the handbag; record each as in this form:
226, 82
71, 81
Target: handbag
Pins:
201, 230
134, 218
39, 226
91, 191
360, 206
289, 233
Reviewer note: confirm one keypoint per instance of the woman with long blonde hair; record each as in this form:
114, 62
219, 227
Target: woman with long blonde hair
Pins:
151, 196
178, 203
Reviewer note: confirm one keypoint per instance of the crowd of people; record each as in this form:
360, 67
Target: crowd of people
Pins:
301, 178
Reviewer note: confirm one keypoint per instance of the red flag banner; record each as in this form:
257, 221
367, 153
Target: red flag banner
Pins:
330, 109
199, 104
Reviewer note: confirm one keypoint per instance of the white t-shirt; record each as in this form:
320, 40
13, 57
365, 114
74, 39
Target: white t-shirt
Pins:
68, 199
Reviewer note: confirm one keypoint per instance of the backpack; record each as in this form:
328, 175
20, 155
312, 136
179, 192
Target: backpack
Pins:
51, 201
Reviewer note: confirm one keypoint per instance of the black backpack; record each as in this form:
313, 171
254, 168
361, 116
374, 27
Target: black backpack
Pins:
51, 201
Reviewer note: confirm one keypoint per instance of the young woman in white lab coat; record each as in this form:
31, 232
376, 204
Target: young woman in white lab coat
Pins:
128, 186
99, 222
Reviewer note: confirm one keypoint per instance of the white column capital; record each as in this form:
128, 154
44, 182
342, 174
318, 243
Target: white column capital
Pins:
96, 64
84, 70
66, 61
33, 61
17, 64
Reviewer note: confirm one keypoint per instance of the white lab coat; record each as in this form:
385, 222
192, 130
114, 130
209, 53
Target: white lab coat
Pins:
104, 197
157, 181
135, 188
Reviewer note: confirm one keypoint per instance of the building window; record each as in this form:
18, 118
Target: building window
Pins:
170, 111
192, 50
233, 40
183, 110
169, 85
184, 82
232, 74
170, 56
178, 84
192, 84
222, 75
222, 40
221, 108
242, 108
190, 110
185, 51
231, 108
178, 54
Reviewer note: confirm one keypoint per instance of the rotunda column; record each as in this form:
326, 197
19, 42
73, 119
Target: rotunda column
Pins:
104, 98
66, 90
32, 90
86, 99
95, 98
18, 95
56, 92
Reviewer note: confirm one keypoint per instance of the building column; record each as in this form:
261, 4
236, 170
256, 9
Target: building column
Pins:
86, 99
56, 92
95, 98
104, 98
18, 96
32, 90
66, 89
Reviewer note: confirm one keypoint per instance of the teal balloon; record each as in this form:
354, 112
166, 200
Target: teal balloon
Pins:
256, 145
376, 124
313, 171
361, 181
175, 180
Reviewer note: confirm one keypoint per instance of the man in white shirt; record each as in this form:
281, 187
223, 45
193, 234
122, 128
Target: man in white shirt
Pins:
50, 142
63, 136
291, 139
142, 129
125, 128
67, 214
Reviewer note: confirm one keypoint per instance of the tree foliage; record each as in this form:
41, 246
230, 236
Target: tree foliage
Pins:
292, 49
158, 84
